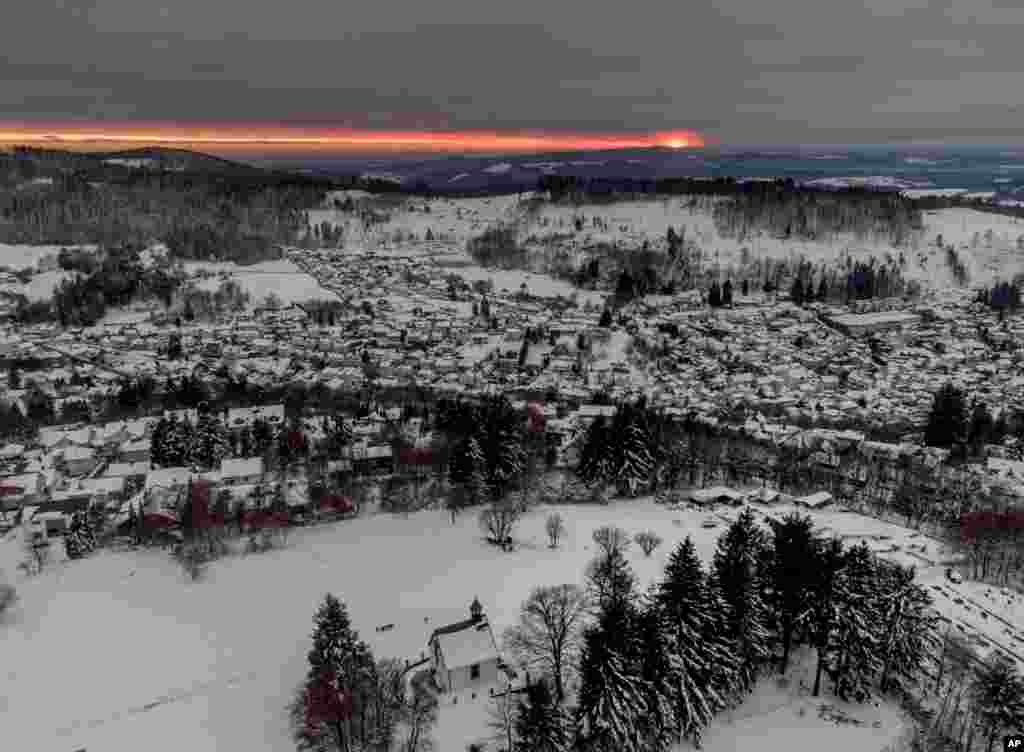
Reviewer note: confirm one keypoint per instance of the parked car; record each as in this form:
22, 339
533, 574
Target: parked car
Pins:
953, 576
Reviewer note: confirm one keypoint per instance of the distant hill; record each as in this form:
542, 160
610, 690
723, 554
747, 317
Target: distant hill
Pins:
161, 158
130, 164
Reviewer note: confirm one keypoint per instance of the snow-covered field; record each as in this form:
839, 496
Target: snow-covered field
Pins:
454, 220
40, 287
282, 278
511, 280
118, 652
29, 256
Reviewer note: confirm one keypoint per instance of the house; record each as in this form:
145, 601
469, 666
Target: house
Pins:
1004, 468
238, 472
367, 458
171, 478
239, 417
42, 526
715, 495
79, 460
128, 470
20, 490
104, 490
589, 413
68, 501
818, 500
765, 496
857, 325
464, 655
134, 451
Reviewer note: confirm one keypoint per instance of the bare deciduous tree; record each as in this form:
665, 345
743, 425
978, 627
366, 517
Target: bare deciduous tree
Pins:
555, 528
501, 720
498, 521
648, 540
549, 631
419, 715
613, 541
8, 596
37, 555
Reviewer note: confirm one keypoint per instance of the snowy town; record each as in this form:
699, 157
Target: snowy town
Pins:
522, 513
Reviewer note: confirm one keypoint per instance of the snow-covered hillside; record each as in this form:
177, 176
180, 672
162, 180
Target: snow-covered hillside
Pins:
632, 223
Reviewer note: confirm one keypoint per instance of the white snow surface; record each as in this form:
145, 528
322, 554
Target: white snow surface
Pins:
40, 286
28, 256
498, 169
282, 278
118, 652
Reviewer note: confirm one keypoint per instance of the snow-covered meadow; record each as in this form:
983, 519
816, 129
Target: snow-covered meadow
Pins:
119, 652
281, 278
23, 256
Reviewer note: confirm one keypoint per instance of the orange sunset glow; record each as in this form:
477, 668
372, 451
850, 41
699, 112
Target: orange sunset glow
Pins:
241, 138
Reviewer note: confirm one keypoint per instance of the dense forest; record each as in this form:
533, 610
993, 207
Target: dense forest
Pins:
202, 208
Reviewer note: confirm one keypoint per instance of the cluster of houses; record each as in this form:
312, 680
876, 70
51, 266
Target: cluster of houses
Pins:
815, 366
405, 321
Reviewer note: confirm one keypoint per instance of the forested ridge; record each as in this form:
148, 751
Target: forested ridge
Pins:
200, 207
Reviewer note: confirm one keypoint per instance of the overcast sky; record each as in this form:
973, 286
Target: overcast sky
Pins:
742, 71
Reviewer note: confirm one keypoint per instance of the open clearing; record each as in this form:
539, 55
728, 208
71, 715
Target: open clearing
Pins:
282, 278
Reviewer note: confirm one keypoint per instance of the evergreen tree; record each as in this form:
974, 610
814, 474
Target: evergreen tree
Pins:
478, 486
790, 569
981, 426
704, 667
796, 292
73, 545
186, 518
660, 726
637, 462
337, 435
737, 568
612, 697
86, 533
139, 530
714, 295
595, 464
998, 692
540, 724
824, 614
606, 319
178, 443
947, 420
339, 664
857, 660
209, 443
909, 628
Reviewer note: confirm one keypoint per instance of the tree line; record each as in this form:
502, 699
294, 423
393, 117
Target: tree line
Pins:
233, 214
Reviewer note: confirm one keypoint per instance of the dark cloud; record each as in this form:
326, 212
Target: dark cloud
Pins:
815, 71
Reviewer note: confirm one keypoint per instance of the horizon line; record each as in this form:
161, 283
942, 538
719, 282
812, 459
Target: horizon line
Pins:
235, 137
